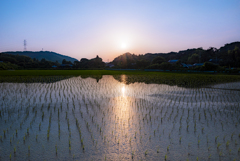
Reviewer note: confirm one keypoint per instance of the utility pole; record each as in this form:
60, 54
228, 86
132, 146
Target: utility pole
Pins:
25, 45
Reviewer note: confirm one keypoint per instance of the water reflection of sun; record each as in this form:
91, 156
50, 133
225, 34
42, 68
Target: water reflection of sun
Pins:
122, 104
123, 91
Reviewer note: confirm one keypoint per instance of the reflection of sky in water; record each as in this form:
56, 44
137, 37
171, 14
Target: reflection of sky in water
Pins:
116, 119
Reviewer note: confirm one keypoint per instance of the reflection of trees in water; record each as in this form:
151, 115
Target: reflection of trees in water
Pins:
97, 77
148, 79
33, 79
42, 79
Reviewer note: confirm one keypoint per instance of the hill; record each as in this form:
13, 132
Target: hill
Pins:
10, 61
227, 55
47, 55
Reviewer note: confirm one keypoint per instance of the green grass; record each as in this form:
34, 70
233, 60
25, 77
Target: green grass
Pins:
88, 72
69, 72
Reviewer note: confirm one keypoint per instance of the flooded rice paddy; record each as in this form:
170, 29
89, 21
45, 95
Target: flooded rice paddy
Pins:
106, 119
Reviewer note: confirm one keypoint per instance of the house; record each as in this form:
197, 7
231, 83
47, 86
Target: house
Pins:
215, 61
66, 66
198, 64
190, 65
110, 65
186, 65
172, 61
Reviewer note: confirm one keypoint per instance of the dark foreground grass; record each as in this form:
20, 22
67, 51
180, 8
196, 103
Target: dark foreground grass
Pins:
90, 72
180, 79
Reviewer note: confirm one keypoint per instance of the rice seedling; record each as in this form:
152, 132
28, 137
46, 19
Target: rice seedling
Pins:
232, 135
220, 153
146, 152
209, 148
224, 137
227, 143
56, 149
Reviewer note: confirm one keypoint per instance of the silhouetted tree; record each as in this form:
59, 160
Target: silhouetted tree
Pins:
210, 66
64, 61
193, 59
142, 63
158, 60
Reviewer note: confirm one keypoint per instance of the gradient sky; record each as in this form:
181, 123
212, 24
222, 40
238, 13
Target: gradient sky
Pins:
108, 28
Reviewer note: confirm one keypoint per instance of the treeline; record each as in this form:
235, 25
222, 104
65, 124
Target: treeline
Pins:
227, 56
9, 61
212, 58
95, 63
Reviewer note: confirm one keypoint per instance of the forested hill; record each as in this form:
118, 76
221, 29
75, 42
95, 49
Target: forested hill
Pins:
228, 55
47, 55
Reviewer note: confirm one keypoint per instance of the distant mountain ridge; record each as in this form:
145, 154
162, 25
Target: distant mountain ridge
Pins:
47, 55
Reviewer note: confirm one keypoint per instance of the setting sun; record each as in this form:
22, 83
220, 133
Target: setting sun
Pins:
123, 45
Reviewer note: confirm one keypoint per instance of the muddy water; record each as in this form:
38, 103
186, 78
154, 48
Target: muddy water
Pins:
82, 119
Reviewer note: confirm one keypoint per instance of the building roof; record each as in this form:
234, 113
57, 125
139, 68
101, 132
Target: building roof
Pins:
186, 65
198, 64
172, 61
66, 65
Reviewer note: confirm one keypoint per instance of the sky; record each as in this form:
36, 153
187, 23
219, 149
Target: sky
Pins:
109, 28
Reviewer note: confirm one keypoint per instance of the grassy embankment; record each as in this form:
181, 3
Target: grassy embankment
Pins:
171, 78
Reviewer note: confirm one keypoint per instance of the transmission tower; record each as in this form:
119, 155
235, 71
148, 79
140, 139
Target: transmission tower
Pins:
25, 45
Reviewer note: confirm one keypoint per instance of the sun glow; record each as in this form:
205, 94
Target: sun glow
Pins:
123, 45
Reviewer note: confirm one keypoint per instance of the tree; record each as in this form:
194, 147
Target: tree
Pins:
237, 56
64, 61
126, 60
210, 66
166, 66
158, 60
43, 60
142, 63
154, 66
193, 59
